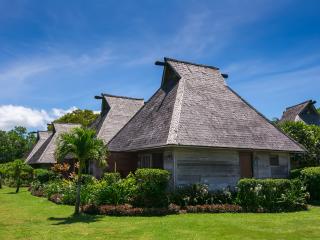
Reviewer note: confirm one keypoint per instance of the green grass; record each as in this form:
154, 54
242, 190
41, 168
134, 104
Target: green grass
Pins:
23, 216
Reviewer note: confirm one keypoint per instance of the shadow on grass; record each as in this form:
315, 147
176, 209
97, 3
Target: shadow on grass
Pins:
81, 218
11, 193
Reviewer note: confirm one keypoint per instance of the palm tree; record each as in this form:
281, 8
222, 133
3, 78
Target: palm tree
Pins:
82, 145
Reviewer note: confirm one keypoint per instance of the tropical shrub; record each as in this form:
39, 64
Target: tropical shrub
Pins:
111, 178
271, 195
87, 179
197, 194
311, 177
62, 169
53, 187
295, 173
36, 189
151, 187
43, 175
115, 192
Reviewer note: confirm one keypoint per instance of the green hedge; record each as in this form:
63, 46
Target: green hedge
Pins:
151, 187
311, 178
44, 175
271, 195
295, 173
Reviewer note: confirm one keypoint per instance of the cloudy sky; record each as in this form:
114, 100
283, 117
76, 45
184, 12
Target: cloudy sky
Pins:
55, 56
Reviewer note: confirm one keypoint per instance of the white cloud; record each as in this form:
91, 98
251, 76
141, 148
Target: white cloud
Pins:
11, 115
16, 77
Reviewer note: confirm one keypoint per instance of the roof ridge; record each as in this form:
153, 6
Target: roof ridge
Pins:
298, 104
191, 63
131, 119
42, 154
58, 123
176, 112
117, 96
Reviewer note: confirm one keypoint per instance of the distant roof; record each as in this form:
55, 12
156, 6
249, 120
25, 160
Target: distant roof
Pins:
195, 107
43, 138
43, 151
292, 112
116, 111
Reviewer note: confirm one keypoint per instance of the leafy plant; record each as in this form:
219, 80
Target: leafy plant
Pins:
151, 187
44, 175
311, 177
115, 192
271, 195
61, 169
198, 194
111, 178
19, 170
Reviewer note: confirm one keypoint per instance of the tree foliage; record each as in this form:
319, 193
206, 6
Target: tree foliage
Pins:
15, 144
84, 117
82, 145
309, 137
17, 170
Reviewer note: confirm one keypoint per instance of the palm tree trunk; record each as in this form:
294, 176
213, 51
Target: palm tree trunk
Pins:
77, 205
18, 185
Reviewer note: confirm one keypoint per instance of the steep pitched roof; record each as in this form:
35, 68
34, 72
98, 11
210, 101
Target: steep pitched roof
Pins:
43, 138
195, 107
292, 112
115, 113
45, 153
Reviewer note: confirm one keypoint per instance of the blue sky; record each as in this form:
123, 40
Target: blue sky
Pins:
57, 55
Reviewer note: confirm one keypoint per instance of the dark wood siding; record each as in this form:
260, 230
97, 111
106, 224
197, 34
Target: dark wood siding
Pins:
122, 162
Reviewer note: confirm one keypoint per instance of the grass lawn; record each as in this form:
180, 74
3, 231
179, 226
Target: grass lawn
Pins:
23, 216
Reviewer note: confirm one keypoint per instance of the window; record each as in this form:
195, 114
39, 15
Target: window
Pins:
145, 161
274, 160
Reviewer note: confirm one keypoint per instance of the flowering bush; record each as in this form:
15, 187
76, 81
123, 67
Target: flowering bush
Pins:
61, 169
198, 194
271, 195
214, 208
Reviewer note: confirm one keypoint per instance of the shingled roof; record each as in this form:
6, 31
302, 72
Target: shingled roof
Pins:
195, 107
43, 151
43, 138
291, 113
116, 111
